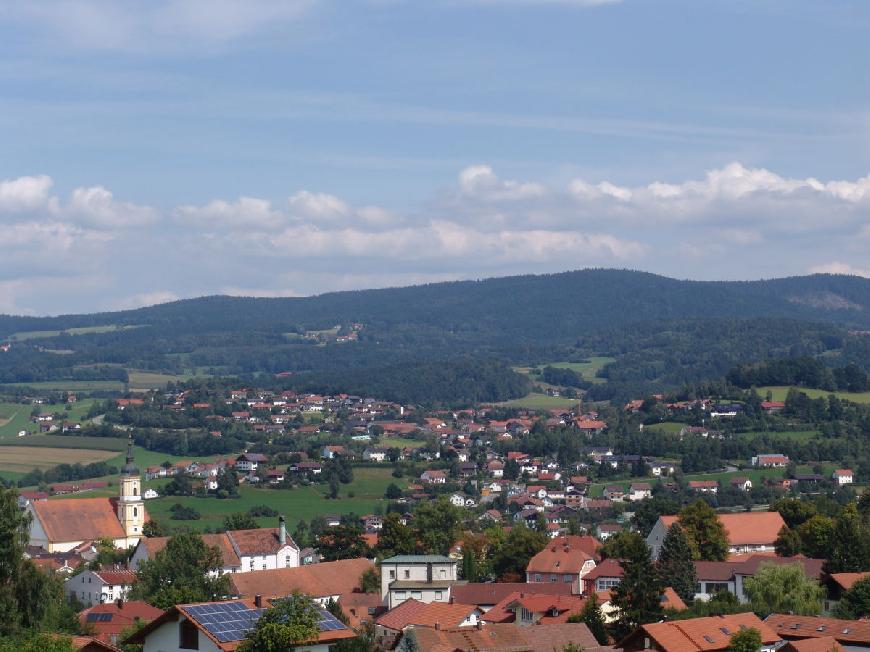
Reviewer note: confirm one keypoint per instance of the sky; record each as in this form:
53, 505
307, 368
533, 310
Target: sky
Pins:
151, 151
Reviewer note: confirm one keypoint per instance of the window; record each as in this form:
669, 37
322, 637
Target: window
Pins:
392, 574
439, 595
606, 583
525, 614
188, 636
400, 595
407, 574
417, 595
567, 578
287, 561
553, 578
537, 577
443, 574
716, 587
135, 512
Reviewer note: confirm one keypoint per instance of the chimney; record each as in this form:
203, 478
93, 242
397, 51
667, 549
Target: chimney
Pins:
258, 601
437, 626
120, 603
282, 530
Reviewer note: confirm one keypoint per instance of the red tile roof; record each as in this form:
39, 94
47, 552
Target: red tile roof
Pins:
317, 580
120, 617
560, 556
507, 638
745, 528
79, 519
412, 612
704, 634
845, 631
484, 594
847, 580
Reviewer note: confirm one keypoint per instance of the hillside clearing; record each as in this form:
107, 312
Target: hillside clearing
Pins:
22, 459
779, 393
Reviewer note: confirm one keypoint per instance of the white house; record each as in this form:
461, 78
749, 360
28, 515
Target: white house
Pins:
248, 462
220, 627
148, 494
639, 491
770, 460
98, 587
458, 500
426, 578
843, 476
748, 532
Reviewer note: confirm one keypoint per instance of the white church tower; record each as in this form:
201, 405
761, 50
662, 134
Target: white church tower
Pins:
131, 511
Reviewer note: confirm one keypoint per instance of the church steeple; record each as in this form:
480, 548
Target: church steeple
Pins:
130, 467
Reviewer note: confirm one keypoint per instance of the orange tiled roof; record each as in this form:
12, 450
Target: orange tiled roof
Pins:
845, 631
121, 617
847, 580
258, 541
564, 555
822, 644
507, 638
78, 519
230, 559
746, 528
317, 580
426, 615
705, 634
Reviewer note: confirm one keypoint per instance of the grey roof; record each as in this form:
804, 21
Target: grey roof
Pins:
419, 559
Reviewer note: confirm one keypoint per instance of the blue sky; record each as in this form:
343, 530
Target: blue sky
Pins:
175, 148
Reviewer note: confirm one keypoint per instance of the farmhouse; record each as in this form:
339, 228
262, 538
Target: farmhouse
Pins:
770, 460
566, 559
99, 587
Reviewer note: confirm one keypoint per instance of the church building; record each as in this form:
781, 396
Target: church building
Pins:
61, 525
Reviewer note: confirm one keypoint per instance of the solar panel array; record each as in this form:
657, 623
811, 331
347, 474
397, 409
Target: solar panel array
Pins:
226, 621
99, 618
231, 621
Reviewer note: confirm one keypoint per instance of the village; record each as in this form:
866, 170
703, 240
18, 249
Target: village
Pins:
529, 548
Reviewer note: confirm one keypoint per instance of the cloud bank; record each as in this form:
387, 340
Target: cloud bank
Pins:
89, 250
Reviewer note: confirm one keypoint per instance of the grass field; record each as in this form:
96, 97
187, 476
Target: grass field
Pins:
398, 442
75, 385
669, 427
84, 330
779, 393
586, 369
21, 459
15, 417
151, 379
303, 503
65, 441
145, 458
798, 435
541, 402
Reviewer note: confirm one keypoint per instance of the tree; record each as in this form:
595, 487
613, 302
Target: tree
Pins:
393, 491
240, 521
511, 557
705, 532
13, 539
593, 618
855, 603
815, 534
648, 512
436, 525
746, 640
34, 642
370, 580
788, 542
783, 588
409, 642
794, 511
182, 572
395, 537
676, 562
154, 529
345, 541
470, 570
638, 595
289, 622
850, 543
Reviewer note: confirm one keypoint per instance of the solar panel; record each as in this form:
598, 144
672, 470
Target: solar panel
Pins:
231, 621
329, 623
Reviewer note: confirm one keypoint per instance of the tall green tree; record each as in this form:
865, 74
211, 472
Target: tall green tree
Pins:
470, 570
289, 622
676, 564
436, 525
240, 521
511, 556
592, 617
638, 596
345, 541
816, 535
783, 588
13, 539
855, 603
746, 640
850, 543
186, 570
395, 538
705, 532
788, 542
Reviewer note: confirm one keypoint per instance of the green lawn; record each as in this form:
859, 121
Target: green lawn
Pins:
75, 385
535, 401
15, 417
586, 369
303, 503
799, 435
668, 427
84, 330
152, 379
779, 393
145, 458
398, 442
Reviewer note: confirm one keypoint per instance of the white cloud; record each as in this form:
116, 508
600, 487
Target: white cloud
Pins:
480, 182
244, 212
97, 206
837, 267
155, 26
25, 194
258, 292
144, 299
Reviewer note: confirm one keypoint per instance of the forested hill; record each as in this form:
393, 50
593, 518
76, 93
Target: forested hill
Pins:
550, 305
461, 337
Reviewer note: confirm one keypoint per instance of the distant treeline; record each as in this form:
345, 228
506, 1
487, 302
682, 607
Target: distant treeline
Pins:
67, 473
804, 372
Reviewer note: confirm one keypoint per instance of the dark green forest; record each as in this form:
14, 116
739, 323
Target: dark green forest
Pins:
456, 342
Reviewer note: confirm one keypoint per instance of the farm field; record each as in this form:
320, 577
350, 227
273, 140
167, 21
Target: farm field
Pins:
797, 435
84, 330
303, 503
15, 417
152, 379
586, 369
535, 401
779, 393
398, 442
22, 459
75, 385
